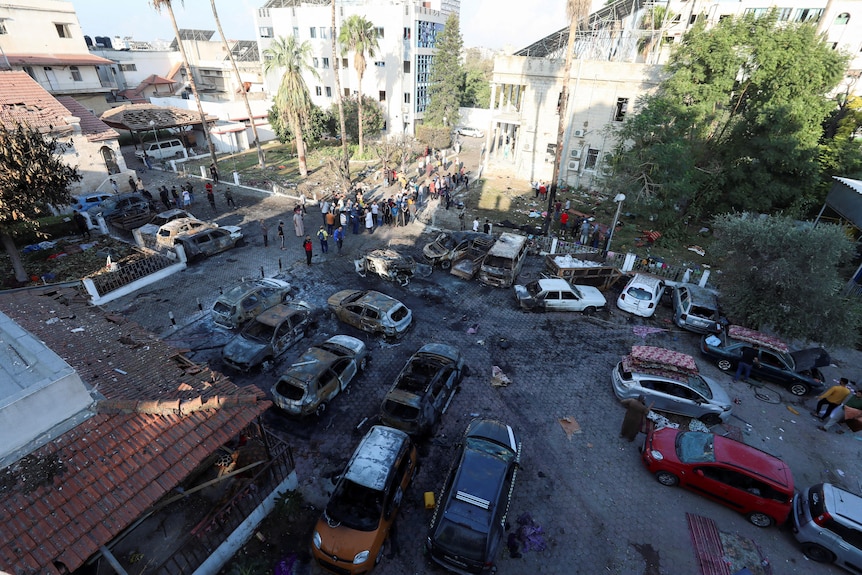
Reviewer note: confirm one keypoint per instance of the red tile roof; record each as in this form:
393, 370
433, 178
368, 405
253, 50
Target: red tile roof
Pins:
60, 503
24, 101
91, 126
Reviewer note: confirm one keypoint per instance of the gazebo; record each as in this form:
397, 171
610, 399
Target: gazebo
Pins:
137, 118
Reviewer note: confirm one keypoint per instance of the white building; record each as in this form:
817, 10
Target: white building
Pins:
398, 76
618, 60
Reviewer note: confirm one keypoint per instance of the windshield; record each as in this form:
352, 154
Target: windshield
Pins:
498, 262
400, 411
699, 385
533, 288
258, 331
355, 506
639, 293
695, 447
485, 446
460, 540
222, 308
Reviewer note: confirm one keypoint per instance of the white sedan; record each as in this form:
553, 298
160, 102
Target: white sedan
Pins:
556, 294
471, 132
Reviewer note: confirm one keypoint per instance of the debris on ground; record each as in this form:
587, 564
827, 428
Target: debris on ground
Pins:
570, 426
498, 378
530, 534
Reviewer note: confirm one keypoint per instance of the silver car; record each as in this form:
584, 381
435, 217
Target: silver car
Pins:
827, 522
670, 388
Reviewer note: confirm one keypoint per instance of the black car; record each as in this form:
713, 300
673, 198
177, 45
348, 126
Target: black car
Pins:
797, 371
468, 524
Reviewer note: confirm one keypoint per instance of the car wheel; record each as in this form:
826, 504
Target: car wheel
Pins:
239, 243
724, 364
403, 280
321, 409
589, 310
711, 419
817, 553
667, 478
799, 389
760, 519
445, 264
363, 363
379, 557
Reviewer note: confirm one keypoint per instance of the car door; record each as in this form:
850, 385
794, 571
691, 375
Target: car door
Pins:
552, 300
654, 394
370, 320
679, 398
250, 306
284, 337
714, 482
772, 367
352, 314
344, 370
328, 384
569, 301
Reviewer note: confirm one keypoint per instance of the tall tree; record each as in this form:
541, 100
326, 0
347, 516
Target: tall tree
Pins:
736, 124
358, 36
797, 292
158, 5
32, 175
292, 99
446, 76
576, 10
344, 171
260, 158
477, 79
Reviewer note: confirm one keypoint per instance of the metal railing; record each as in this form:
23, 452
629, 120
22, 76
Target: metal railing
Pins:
129, 271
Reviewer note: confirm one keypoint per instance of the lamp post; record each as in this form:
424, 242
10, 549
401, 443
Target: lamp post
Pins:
155, 134
619, 198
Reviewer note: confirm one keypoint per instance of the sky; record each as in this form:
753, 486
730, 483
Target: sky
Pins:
489, 23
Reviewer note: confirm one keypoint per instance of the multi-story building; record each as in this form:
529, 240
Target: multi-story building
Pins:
618, 59
397, 76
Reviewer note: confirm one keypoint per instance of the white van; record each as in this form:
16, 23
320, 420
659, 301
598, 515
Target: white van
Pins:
504, 261
163, 150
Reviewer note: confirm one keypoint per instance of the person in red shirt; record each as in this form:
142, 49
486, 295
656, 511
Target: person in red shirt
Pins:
564, 224
307, 245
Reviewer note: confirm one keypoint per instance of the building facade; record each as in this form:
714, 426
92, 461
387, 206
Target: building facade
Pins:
397, 76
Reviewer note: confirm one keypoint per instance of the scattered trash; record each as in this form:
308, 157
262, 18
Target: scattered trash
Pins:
698, 250
530, 534
120, 371
53, 320
473, 329
839, 472
498, 378
792, 410
645, 330
77, 330
570, 426
480, 341
474, 414
698, 425
661, 421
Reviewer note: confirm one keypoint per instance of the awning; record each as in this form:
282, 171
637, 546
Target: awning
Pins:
137, 117
57, 60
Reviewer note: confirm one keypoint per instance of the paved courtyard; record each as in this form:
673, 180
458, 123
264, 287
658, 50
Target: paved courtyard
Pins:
600, 510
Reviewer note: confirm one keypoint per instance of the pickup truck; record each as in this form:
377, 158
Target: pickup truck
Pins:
467, 264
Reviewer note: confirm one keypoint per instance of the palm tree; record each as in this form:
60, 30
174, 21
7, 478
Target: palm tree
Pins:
336, 65
576, 10
260, 158
292, 99
158, 5
358, 35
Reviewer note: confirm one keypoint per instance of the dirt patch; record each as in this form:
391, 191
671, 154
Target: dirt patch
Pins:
64, 260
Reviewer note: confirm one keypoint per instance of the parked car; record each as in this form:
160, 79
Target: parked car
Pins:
349, 536
207, 242
85, 202
471, 132
827, 522
732, 473
695, 309
123, 205
371, 311
318, 375
422, 391
448, 247
556, 294
641, 295
247, 299
268, 335
470, 518
162, 218
169, 231
162, 150
670, 382
797, 371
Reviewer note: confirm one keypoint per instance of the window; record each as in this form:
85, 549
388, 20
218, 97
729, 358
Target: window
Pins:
592, 159
808, 15
406, 66
3, 27
621, 109
382, 95
676, 19
128, 67
265, 31
380, 63
406, 97
344, 63
30, 72
347, 92
76, 73
692, 19
315, 62
407, 32
783, 14
834, 45
378, 30
323, 33
328, 92
312, 32
318, 91
63, 30
842, 19
326, 63
296, 32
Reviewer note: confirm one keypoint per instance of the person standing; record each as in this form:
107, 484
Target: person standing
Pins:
114, 186
307, 246
187, 199
395, 209
298, 223
281, 233
585, 232
211, 196
81, 223
330, 222
132, 186
264, 232
475, 224
749, 360
636, 412
324, 239
214, 173
228, 198
564, 223
302, 201
832, 398
139, 185
338, 235
163, 194
487, 226
375, 212
176, 196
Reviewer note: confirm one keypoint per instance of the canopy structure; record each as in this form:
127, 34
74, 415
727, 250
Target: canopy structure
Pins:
845, 197
143, 117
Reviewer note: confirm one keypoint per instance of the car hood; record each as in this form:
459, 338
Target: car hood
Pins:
244, 350
719, 395
434, 250
592, 296
807, 359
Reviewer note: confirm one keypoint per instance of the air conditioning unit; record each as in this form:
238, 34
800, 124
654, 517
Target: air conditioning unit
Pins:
575, 154
574, 166
578, 133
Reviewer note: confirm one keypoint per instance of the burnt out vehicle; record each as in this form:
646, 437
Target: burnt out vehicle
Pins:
371, 311
268, 335
422, 391
388, 264
449, 247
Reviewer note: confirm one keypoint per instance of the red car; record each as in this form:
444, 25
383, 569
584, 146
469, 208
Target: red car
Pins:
734, 474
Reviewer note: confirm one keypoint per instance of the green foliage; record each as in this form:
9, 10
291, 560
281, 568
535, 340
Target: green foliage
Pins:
840, 152
437, 137
446, 77
320, 123
289, 504
477, 80
358, 34
736, 124
784, 276
372, 117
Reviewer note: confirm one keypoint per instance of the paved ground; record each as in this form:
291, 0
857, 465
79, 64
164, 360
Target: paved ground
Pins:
600, 510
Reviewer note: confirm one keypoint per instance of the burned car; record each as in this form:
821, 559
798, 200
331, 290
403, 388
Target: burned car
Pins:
208, 242
247, 299
388, 264
422, 391
268, 335
321, 373
170, 230
449, 247
371, 311
556, 294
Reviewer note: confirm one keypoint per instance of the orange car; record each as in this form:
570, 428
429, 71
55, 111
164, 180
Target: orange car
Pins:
349, 536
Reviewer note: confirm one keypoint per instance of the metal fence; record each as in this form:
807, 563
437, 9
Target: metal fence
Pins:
129, 271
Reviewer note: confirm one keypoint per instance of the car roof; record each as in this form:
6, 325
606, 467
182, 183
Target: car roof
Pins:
760, 463
698, 293
440, 349
660, 361
378, 300
374, 459
244, 287
507, 245
476, 489
843, 503
646, 280
278, 313
549, 284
